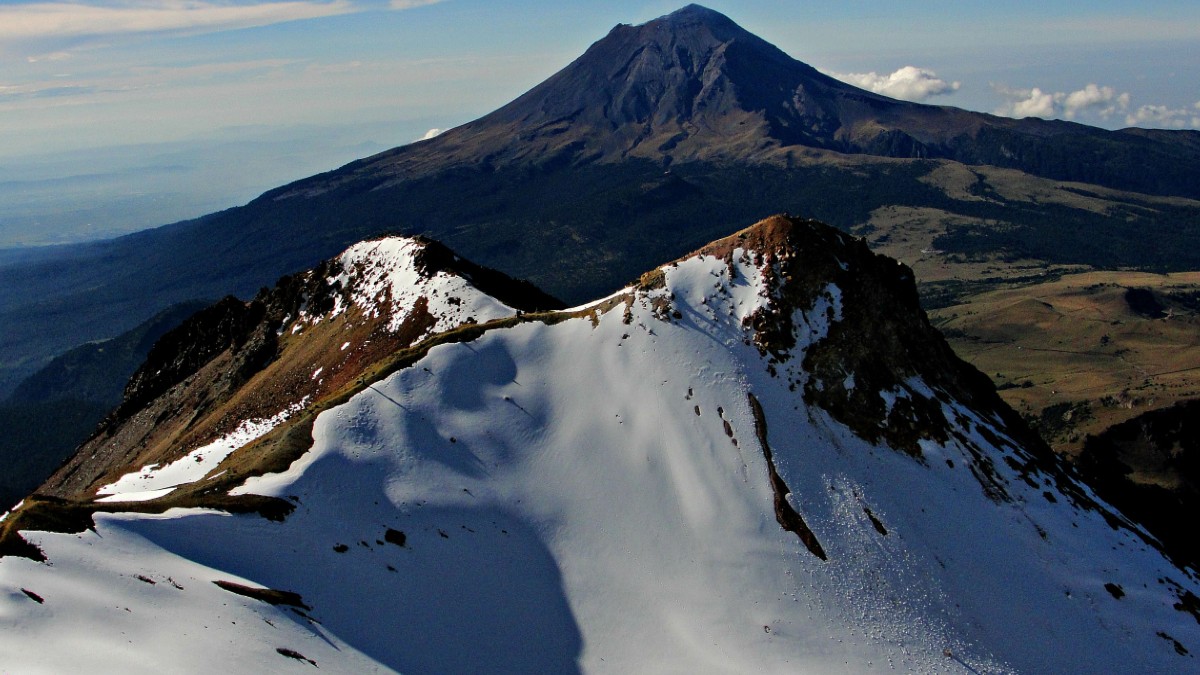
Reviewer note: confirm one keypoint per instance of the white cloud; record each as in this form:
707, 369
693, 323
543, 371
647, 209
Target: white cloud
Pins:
432, 133
1164, 117
1036, 104
1026, 102
48, 20
34, 21
909, 83
1105, 100
1100, 100
410, 4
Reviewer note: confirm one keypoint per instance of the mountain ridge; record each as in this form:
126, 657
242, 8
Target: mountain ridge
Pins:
237, 361
594, 489
267, 358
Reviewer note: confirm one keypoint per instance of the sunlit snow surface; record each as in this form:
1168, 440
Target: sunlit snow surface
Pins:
566, 509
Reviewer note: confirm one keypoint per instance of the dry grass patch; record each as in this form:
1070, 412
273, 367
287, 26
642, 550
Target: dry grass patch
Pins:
1076, 344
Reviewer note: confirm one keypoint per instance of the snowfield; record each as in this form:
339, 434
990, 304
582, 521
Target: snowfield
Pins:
593, 496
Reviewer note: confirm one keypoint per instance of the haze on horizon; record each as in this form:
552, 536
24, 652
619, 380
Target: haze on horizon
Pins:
124, 115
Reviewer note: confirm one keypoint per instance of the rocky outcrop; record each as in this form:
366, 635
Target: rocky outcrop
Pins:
880, 341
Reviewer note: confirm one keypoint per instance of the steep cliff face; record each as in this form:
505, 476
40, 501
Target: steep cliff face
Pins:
759, 457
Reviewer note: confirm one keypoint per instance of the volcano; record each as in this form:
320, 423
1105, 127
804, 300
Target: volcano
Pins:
693, 86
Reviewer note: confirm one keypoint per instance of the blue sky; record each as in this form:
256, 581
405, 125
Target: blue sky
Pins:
90, 74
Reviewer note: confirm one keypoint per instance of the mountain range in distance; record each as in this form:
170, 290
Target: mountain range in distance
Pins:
758, 457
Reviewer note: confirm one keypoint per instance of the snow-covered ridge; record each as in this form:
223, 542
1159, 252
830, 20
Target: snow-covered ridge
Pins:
592, 492
310, 337
384, 278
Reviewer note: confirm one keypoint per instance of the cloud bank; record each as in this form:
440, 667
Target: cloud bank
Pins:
22, 22
1026, 102
909, 83
1165, 117
1104, 100
1093, 99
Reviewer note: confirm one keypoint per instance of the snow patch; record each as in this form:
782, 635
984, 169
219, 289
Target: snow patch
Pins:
154, 481
813, 325
133, 496
610, 296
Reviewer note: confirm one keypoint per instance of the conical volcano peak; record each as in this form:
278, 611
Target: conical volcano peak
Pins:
697, 17
693, 87
696, 36
690, 85
695, 12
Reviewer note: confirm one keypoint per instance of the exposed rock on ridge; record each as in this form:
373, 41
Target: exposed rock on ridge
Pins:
879, 341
